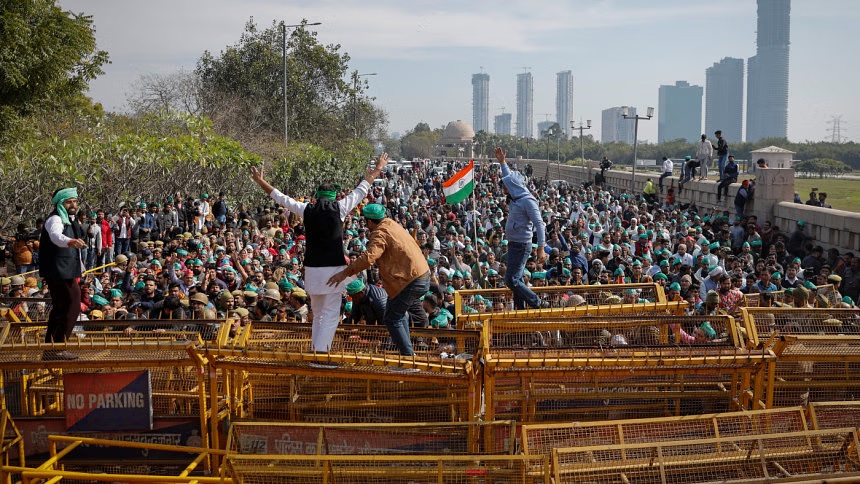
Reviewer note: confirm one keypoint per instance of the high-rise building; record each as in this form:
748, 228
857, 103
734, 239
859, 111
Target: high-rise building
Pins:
481, 102
679, 112
543, 127
724, 98
767, 78
615, 128
564, 101
502, 124
525, 105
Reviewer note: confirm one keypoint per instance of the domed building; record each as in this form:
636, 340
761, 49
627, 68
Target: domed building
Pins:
456, 141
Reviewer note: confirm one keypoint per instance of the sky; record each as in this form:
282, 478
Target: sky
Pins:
425, 52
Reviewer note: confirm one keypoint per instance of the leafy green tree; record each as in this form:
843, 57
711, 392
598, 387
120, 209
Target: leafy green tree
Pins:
48, 56
241, 89
822, 167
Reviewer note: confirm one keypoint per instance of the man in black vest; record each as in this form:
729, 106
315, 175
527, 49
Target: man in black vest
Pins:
61, 241
323, 222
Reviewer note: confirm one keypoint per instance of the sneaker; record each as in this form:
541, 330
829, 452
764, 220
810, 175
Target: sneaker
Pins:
401, 369
544, 305
322, 365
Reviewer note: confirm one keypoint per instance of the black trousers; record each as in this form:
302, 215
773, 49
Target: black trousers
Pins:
66, 307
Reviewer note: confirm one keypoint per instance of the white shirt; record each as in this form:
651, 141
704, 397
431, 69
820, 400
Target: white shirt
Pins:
316, 278
668, 166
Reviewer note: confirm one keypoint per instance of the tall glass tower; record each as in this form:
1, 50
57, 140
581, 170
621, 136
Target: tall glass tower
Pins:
564, 101
767, 82
481, 102
525, 105
724, 98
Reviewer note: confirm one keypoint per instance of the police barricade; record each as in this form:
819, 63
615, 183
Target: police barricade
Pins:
379, 469
414, 438
142, 385
362, 379
25, 309
831, 415
819, 353
804, 456
78, 458
499, 302
612, 367
754, 300
11, 446
542, 438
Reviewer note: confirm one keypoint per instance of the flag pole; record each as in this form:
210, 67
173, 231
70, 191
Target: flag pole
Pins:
474, 208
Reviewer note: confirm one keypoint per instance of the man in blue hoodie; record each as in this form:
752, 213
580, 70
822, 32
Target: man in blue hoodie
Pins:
524, 220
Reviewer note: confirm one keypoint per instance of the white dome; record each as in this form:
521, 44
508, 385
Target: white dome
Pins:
457, 132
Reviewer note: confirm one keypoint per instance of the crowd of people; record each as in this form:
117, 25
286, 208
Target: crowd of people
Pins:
395, 253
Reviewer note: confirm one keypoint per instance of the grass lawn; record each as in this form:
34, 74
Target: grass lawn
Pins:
842, 193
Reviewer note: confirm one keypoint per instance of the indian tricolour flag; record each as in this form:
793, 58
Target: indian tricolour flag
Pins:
461, 185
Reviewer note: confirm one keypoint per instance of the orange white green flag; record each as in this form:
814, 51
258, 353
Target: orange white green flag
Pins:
461, 185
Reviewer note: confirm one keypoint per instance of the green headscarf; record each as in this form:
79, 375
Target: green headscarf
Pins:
330, 194
59, 198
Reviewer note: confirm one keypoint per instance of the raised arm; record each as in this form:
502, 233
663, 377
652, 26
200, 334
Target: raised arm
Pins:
348, 203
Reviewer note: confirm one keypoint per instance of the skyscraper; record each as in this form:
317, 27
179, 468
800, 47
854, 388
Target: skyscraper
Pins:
481, 102
564, 101
525, 105
679, 112
724, 98
543, 127
767, 81
502, 124
615, 128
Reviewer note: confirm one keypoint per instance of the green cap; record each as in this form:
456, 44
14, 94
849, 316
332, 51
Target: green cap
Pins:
674, 286
348, 306
809, 285
374, 211
115, 293
100, 300
708, 330
660, 275
355, 287
538, 275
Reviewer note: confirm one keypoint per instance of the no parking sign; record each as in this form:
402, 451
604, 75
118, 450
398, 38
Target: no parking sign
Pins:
108, 401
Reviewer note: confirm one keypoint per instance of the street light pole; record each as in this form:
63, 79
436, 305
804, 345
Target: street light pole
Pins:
284, 28
581, 127
635, 118
355, 102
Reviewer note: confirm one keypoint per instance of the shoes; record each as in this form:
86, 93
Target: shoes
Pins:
543, 305
400, 369
53, 355
323, 365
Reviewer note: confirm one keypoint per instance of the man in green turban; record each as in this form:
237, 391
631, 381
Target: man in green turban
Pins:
61, 265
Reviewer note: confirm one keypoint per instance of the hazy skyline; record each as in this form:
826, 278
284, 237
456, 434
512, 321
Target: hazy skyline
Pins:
619, 51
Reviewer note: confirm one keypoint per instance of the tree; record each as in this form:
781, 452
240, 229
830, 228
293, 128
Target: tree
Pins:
176, 91
241, 89
48, 56
822, 167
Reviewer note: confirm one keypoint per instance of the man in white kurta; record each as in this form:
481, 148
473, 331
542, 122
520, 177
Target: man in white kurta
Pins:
325, 257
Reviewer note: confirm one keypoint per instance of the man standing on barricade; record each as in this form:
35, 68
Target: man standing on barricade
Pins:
323, 222
524, 220
60, 264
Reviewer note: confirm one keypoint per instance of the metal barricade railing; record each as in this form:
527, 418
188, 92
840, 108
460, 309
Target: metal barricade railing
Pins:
25, 309
412, 438
541, 439
500, 300
362, 469
72, 459
819, 352
617, 367
811, 454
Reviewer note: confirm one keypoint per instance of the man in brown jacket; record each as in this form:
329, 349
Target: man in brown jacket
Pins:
403, 269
